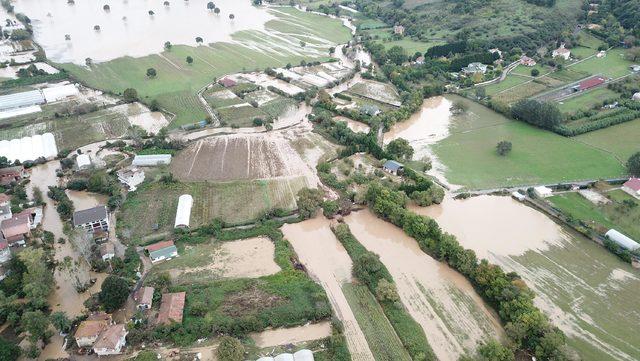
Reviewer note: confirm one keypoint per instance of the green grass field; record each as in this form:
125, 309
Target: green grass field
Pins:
613, 65
509, 82
177, 82
381, 337
586, 101
412, 46
621, 140
538, 156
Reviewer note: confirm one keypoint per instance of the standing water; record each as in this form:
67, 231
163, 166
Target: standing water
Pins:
587, 292
442, 301
127, 28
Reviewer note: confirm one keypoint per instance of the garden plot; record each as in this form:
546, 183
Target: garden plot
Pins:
252, 257
240, 157
141, 116
261, 97
219, 98
380, 92
266, 81
241, 115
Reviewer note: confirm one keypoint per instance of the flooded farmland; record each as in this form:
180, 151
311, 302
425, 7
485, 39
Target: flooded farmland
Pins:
329, 264
587, 292
441, 300
128, 29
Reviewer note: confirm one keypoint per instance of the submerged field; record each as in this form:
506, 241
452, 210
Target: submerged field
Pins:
177, 81
587, 291
538, 156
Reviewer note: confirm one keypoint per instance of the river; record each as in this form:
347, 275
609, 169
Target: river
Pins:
589, 293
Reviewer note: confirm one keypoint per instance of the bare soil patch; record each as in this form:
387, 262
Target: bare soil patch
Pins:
250, 300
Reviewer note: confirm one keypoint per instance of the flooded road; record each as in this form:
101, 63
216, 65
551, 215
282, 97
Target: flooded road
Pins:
127, 29
293, 335
441, 300
586, 291
329, 264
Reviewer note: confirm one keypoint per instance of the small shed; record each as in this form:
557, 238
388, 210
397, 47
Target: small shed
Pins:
622, 240
542, 191
83, 161
183, 213
393, 167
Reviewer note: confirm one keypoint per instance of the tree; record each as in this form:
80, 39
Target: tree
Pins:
8, 350
154, 106
309, 201
494, 351
36, 324
330, 208
542, 114
211, 5
130, 95
114, 293
37, 280
369, 269
199, 40
88, 62
387, 292
400, 148
397, 55
216, 11
535, 72
60, 321
106, 8
230, 349
151, 72
167, 45
151, 13
503, 147
231, 16
189, 60
633, 164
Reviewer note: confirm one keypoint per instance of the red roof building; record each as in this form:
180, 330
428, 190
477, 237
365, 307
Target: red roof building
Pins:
226, 82
16, 229
591, 83
159, 245
11, 174
171, 308
632, 186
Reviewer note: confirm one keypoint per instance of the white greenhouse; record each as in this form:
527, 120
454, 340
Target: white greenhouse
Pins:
29, 148
302, 355
622, 240
284, 357
151, 160
183, 213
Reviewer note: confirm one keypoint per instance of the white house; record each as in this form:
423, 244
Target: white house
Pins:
474, 68
111, 341
561, 52
543, 192
162, 251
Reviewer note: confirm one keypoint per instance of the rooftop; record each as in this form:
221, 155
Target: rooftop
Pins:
392, 165
16, 225
633, 183
144, 295
171, 308
110, 338
91, 328
89, 215
160, 245
11, 170
107, 248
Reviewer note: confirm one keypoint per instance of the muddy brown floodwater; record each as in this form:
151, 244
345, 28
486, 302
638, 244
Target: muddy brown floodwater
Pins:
72, 269
441, 300
329, 264
585, 290
293, 335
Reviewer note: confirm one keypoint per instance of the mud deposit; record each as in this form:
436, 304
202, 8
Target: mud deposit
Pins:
239, 157
441, 300
329, 264
293, 335
587, 291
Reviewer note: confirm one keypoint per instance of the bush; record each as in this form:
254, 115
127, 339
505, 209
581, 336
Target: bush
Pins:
230, 349
535, 72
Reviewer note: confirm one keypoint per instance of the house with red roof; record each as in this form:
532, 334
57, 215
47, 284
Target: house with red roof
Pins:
632, 186
16, 229
171, 308
162, 251
590, 83
227, 82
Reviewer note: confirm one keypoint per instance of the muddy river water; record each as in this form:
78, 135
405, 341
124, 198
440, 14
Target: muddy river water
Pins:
127, 28
587, 292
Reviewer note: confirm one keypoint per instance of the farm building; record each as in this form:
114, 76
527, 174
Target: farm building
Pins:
83, 161
161, 251
632, 186
93, 219
622, 240
542, 191
527, 61
227, 82
55, 93
474, 68
12, 174
21, 100
29, 148
111, 341
393, 167
151, 160
171, 308
183, 213
590, 83
131, 178
561, 52
144, 298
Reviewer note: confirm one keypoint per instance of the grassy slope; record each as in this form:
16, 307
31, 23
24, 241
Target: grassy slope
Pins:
538, 156
621, 139
177, 81
587, 100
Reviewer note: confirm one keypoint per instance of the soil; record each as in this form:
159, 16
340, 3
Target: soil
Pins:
248, 300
